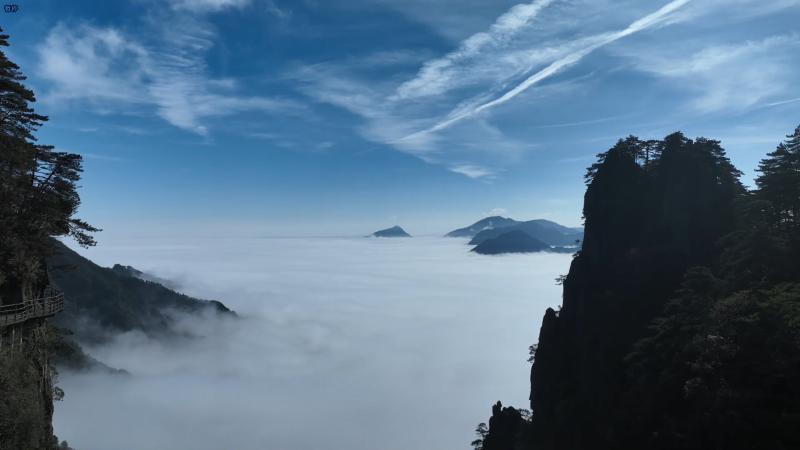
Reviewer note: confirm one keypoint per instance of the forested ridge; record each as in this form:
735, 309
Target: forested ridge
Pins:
102, 302
680, 323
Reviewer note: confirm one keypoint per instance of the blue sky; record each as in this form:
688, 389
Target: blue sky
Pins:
311, 117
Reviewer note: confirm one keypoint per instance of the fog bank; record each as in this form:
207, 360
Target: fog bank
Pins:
356, 344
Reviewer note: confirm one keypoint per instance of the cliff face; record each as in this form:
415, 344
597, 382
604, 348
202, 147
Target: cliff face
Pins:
26, 375
38, 201
26, 381
645, 226
680, 323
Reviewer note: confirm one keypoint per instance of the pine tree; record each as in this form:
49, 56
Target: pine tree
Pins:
38, 190
779, 182
614, 199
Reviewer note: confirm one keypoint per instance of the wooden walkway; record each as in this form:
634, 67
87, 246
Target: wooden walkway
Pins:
49, 304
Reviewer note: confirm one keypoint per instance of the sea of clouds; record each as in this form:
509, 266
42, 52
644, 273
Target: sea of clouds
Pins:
342, 343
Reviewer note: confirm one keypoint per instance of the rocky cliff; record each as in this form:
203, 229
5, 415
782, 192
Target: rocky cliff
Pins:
679, 324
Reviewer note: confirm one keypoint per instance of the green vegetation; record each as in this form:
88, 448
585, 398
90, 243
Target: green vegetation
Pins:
25, 412
101, 302
680, 325
38, 200
27, 384
38, 192
730, 339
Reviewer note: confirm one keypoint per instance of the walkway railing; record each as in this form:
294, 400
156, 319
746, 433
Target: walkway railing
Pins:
51, 302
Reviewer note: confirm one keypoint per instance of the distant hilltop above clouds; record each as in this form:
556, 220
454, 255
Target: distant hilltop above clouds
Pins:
394, 231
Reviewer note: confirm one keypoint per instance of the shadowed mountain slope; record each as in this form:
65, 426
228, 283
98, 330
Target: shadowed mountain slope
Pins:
483, 224
680, 323
101, 301
546, 231
514, 241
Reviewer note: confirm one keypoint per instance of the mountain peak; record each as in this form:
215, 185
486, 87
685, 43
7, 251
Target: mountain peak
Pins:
487, 223
395, 231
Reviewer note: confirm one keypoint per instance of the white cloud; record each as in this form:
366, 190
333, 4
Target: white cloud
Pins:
453, 20
433, 108
443, 74
527, 44
332, 331
340, 87
207, 5
280, 13
729, 76
732, 11
472, 171
783, 102
85, 62
390, 122
591, 44
496, 212
114, 71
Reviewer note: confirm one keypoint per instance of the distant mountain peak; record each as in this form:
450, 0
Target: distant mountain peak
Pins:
547, 231
487, 223
395, 231
514, 241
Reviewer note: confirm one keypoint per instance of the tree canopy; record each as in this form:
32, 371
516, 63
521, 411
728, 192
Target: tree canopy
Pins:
779, 182
680, 324
38, 187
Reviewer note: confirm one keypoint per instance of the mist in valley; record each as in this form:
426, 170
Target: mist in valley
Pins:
341, 343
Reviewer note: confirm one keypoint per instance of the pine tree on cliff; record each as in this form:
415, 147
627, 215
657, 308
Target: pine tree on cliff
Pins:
715, 371
38, 192
680, 325
652, 210
38, 201
779, 181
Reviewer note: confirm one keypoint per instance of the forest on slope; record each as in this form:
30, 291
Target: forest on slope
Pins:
680, 323
102, 302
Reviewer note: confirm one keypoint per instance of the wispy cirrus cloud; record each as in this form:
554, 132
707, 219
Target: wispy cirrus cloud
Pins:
475, 108
522, 47
571, 58
207, 5
472, 152
443, 74
451, 109
730, 76
472, 171
114, 71
732, 11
